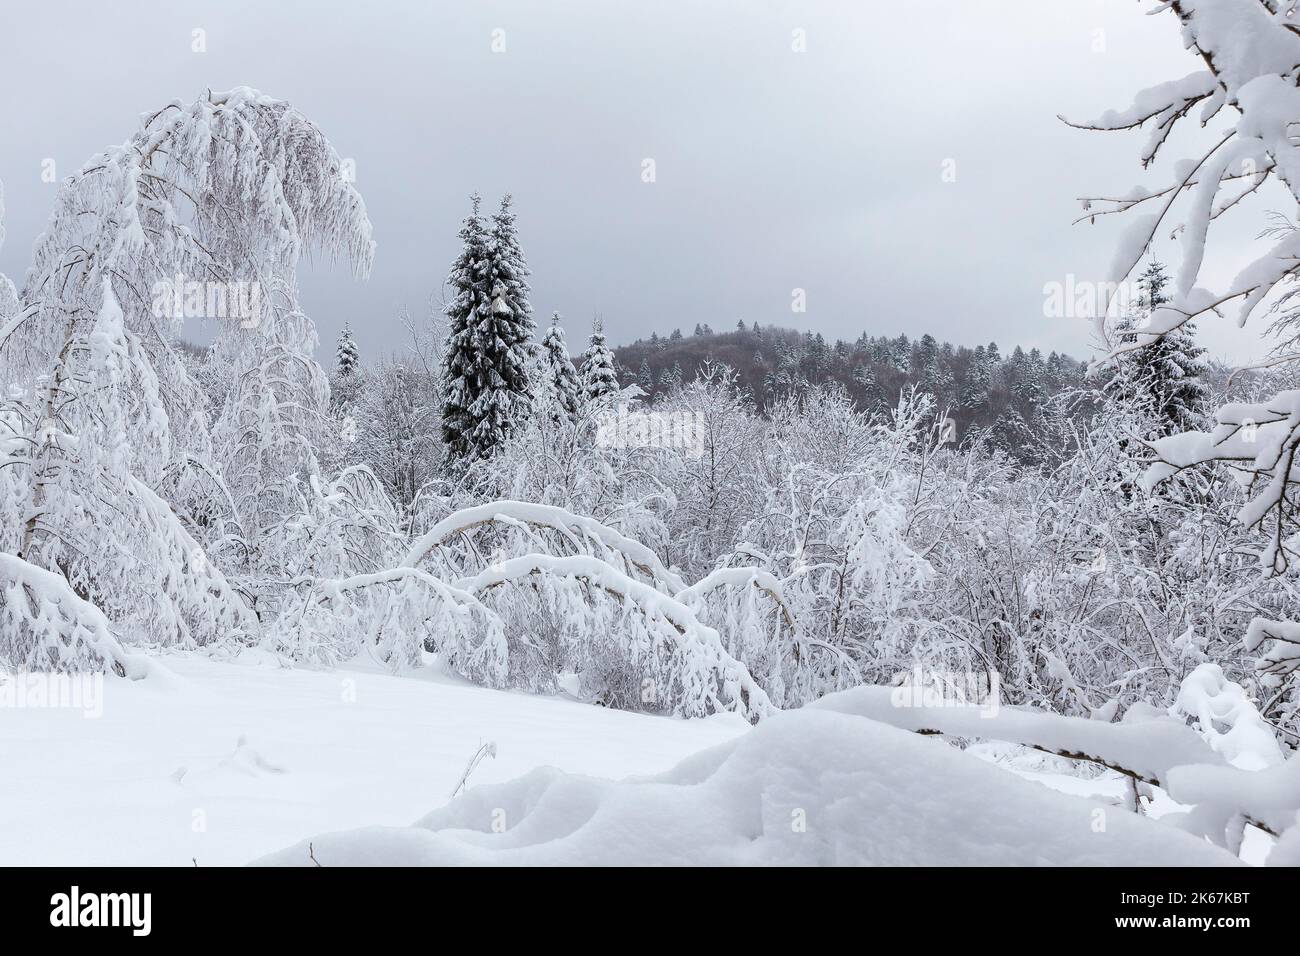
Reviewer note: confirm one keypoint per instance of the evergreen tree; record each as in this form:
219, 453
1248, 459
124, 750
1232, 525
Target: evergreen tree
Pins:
645, 378
346, 354
900, 353
1162, 380
563, 390
599, 378
485, 366
979, 378
1030, 375
345, 382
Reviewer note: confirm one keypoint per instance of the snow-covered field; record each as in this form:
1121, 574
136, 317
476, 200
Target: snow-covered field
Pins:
163, 778
231, 762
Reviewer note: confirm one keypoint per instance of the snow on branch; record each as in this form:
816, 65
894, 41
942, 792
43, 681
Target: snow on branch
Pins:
1166, 104
757, 578
683, 658
1143, 750
397, 614
1282, 658
45, 626
1227, 719
1259, 441
1250, 58
581, 535
1225, 799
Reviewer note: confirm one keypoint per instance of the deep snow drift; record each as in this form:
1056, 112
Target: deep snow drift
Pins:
803, 787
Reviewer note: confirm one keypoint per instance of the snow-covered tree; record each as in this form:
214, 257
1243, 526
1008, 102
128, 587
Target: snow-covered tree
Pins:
396, 430
561, 392
1162, 379
227, 191
599, 377
645, 377
347, 358
507, 273
486, 390
979, 378
268, 431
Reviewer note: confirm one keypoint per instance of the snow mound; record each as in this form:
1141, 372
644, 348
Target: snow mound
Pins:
805, 787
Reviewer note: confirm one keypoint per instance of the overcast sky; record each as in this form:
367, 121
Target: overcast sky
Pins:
774, 169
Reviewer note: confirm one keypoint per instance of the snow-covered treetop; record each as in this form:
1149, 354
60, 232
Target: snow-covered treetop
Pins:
235, 186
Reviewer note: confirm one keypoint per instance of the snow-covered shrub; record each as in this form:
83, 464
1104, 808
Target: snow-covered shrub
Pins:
338, 528
633, 645
46, 626
396, 615
834, 533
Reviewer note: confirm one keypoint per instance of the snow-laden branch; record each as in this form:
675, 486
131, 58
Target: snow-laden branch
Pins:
582, 534
46, 626
1250, 58
701, 676
1144, 750
757, 578
397, 613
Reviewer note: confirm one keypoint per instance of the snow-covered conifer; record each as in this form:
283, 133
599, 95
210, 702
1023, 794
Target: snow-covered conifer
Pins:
599, 378
346, 356
485, 365
563, 391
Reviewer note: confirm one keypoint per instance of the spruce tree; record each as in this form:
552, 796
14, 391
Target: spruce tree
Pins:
346, 355
646, 377
599, 378
508, 272
563, 390
1162, 380
486, 390
979, 377
345, 382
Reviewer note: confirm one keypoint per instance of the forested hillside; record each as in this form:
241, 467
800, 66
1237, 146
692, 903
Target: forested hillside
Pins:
980, 388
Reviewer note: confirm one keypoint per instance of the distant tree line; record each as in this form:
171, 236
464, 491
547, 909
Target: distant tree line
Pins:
980, 387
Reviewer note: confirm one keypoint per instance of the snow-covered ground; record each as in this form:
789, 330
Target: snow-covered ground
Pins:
806, 787
162, 777
230, 762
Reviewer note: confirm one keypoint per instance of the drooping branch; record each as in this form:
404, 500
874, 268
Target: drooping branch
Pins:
582, 534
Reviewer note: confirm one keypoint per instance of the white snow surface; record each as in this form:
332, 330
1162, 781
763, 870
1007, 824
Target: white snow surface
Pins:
162, 778
227, 762
810, 786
